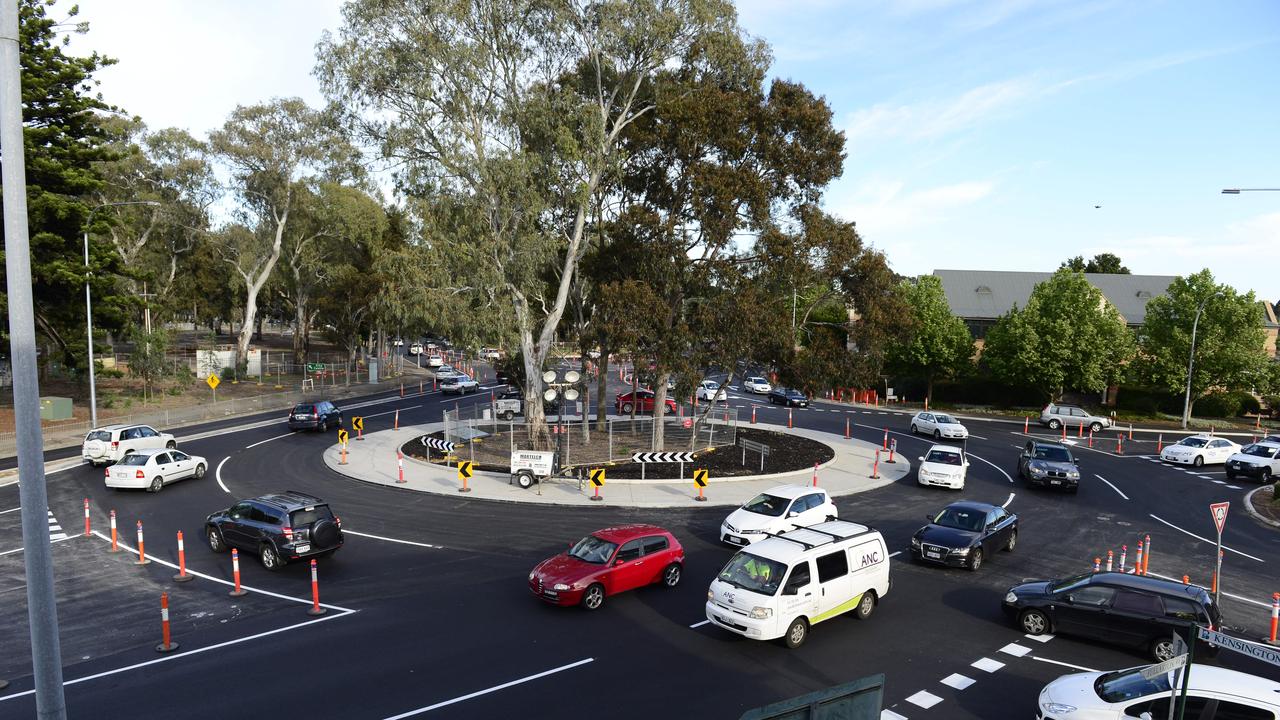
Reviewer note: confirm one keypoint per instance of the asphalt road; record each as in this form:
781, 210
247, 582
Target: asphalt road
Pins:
428, 608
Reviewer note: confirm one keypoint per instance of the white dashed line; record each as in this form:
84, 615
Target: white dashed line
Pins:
891, 715
1220, 482
957, 681
987, 665
1039, 638
3, 512
1081, 668
262, 442
1205, 540
1006, 502
1235, 487
1113, 487
393, 540
699, 624
924, 699
895, 553
1015, 650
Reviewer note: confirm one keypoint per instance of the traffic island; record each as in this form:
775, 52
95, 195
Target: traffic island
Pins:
1261, 503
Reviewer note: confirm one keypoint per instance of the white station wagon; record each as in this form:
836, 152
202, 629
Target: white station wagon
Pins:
153, 469
109, 443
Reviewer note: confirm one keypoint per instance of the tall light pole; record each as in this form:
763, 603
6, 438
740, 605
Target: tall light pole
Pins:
88, 304
1191, 359
1237, 191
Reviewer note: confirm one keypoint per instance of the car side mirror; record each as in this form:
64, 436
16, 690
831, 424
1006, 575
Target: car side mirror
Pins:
966, 463
921, 458
1070, 599
928, 519
792, 514
1145, 716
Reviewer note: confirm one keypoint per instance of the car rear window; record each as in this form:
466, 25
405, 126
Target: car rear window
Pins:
307, 516
303, 409
132, 459
103, 435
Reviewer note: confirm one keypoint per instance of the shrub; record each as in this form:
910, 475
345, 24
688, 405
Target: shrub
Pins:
1147, 401
1249, 405
1224, 405
110, 373
227, 373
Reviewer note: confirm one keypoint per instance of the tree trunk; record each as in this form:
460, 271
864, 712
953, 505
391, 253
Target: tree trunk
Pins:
660, 411
928, 395
534, 414
602, 388
299, 327
706, 414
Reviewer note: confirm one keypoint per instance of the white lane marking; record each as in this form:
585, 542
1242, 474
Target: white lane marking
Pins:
957, 681
220, 581
64, 537
414, 407
891, 715
495, 688
1113, 487
168, 658
987, 665
924, 699
1220, 482
1233, 596
1081, 668
895, 553
393, 540
1205, 540
1039, 638
1006, 502
997, 467
1235, 487
217, 475
2, 512
263, 442
699, 624
1015, 650
979, 437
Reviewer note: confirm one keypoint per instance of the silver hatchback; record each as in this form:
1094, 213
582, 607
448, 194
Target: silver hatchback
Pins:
1055, 416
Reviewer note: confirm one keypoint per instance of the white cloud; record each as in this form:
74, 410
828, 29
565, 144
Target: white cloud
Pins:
936, 118
883, 207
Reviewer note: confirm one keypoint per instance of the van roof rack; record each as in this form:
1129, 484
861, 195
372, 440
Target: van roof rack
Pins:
783, 536
834, 537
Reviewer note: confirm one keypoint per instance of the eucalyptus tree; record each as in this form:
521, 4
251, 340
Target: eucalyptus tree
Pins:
513, 110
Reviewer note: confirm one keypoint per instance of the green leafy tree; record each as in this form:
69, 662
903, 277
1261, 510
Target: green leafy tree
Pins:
1230, 340
1102, 263
147, 361
1066, 338
939, 345
64, 138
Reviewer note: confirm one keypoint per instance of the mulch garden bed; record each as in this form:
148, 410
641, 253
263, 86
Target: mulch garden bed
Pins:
1264, 504
787, 453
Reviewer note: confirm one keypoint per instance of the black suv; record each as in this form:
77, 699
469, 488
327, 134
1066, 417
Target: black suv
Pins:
1141, 612
278, 527
319, 415
1049, 464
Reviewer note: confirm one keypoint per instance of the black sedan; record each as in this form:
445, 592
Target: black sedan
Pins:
963, 533
788, 397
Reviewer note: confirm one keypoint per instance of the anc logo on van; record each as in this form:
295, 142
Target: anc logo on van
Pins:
871, 558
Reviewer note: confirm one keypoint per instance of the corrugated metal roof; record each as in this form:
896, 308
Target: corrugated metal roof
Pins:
989, 294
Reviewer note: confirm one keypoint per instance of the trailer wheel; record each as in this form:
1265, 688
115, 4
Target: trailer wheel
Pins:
524, 479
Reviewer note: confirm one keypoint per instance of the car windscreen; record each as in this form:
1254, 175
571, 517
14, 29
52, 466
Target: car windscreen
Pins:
303, 409
943, 457
1123, 685
1070, 583
103, 435
134, 459
961, 518
1052, 454
308, 516
1262, 451
754, 573
593, 550
756, 380
1195, 442
766, 504
945, 420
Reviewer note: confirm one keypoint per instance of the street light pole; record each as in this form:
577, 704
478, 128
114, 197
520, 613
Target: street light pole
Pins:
1237, 191
1191, 359
88, 305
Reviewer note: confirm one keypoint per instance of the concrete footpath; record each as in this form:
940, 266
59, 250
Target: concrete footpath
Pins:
373, 460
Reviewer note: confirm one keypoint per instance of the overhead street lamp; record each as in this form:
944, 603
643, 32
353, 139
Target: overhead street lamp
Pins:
559, 390
1191, 359
88, 304
1237, 191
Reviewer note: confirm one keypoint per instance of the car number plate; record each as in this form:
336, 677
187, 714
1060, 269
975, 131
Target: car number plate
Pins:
303, 547
1055, 482
737, 541
933, 554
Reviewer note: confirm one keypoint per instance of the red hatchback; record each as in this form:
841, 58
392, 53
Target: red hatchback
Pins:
643, 402
608, 562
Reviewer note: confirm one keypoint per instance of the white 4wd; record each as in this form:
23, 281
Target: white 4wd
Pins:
109, 443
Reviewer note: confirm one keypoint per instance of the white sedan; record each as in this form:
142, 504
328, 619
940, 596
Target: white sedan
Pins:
710, 390
1200, 450
153, 469
940, 425
944, 466
435, 361
757, 384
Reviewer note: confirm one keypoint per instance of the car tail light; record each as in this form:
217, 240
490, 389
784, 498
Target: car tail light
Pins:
139, 475
337, 521
115, 444
106, 473
288, 533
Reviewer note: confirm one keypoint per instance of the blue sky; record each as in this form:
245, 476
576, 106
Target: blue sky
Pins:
980, 134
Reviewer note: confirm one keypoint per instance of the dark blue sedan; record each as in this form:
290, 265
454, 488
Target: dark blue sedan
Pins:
964, 533
788, 396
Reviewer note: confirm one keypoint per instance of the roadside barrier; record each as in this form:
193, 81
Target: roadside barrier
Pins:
115, 547
166, 645
183, 575
235, 573
1275, 616
315, 592
875, 467
400, 465
86, 517
142, 553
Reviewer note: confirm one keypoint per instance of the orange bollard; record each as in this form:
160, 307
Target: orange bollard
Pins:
893, 447
1097, 564
142, 553
846, 428
885, 445
1214, 589
115, 548
1080, 430
182, 575
344, 455
1130, 431
165, 646
1026, 425
1110, 557
789, 422
875, 467
419, 387
400, 465
753, 413
1064, 431
1186, 579
1119, 444
1124, 550
235, 573
1159, 443
360, 432
1090, 438
86, 517
1137, 564
1275, 616
401, 389
1146, 559
815, 474
397, 425
315, 592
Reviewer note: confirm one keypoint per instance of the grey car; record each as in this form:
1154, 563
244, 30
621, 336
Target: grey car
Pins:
1049, 464
1055, 416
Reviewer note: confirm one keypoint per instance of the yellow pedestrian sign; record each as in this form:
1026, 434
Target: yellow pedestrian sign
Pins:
212, 381
342, 435
700, 477
464, 469
597, 477
358, 423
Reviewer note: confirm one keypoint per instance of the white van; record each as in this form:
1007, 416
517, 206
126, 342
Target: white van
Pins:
782, 585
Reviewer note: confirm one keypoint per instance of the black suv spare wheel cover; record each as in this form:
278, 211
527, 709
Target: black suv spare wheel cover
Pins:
324, 533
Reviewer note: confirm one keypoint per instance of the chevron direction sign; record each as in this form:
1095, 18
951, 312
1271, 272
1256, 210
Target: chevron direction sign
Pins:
436, 444
662, 457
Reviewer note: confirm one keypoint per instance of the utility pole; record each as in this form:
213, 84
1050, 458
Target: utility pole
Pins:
42, 609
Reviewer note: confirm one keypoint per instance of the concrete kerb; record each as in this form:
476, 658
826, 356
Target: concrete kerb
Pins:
375, 462
1248, 506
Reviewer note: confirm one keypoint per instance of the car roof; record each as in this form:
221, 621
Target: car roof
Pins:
946, 448
113, 428
1147, 583
791, 492
972, 505
1049, 443
789, 546
289, 499
149, 451
1210, 678
755, 377
622, 533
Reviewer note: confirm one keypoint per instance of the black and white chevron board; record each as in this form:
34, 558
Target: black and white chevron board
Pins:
437, 444
662, 457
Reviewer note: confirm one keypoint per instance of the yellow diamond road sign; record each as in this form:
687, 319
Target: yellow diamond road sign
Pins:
213, 382
700, 477
464, 469
597, 477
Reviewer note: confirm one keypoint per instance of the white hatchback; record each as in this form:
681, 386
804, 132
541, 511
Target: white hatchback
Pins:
107, 444
435, 361
1126, 694
777, 510
1200, 450
153, 469
710, 390
944, 466
940, 425
757, 384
